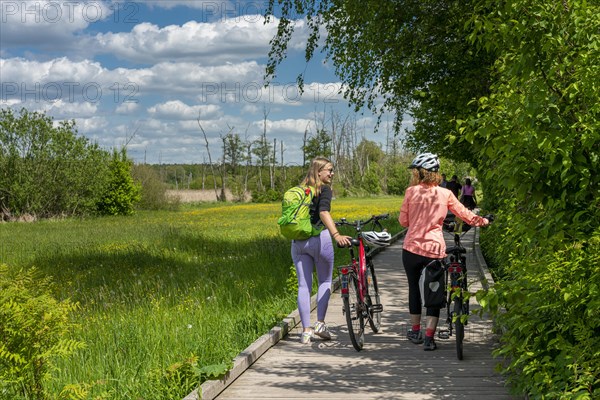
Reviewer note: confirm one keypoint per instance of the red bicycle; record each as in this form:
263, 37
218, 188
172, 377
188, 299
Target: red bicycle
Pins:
360, 293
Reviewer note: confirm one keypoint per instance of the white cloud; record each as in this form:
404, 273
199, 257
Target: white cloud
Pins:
59, 69
92, 125
204, 43
127, 108
67, 110
288, 125
89, 81
177, 110
46, 23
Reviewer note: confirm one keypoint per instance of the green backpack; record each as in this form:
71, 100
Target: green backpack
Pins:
294, 222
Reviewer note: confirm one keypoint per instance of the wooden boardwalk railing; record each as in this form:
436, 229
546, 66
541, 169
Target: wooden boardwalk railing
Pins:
388, 367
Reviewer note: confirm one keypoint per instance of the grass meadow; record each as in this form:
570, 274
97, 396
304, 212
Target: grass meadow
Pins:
166, 297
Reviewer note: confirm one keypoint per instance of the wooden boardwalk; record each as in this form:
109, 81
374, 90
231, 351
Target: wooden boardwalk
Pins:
388, 367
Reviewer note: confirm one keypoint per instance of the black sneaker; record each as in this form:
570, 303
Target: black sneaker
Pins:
415, 336
429, 344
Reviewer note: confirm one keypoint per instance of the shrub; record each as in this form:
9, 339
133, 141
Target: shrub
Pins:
370, 181
47, 170
551, 326
122, 192
34, 332
398, 179
267, 197
153, 189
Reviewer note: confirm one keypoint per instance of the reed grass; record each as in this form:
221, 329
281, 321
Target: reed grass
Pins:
158, 289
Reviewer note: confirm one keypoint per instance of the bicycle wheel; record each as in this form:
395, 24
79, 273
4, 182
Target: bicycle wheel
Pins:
372, 299
354, 315
459, 326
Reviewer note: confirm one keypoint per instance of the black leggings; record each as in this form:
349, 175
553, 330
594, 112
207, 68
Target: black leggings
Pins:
413, 265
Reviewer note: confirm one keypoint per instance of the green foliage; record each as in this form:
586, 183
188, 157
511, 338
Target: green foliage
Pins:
269, 196
552, 324
398, 179
291, 284
317, 145
233, 151
396, 56
538, 131
538, 136
35, 332
368, 152
371, 181
179, 379
122, 192
153, 195
47, 170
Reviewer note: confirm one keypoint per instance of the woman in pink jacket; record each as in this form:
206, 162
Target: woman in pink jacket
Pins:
423, 211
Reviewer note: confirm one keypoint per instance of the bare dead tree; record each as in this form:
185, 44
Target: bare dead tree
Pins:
131, 136
223, 169
282, 164
272, 166
203, 171
248, 144
262, 149
212, 170
337, 137
304, 139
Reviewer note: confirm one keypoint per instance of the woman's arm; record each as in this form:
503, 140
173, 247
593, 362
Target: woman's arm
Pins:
403, 217
465, 214
340, 239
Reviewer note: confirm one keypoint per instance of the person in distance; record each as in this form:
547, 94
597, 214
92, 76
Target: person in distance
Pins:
454, 186
468, 198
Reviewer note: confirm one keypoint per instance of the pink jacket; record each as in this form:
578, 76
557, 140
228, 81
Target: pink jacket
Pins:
423, 212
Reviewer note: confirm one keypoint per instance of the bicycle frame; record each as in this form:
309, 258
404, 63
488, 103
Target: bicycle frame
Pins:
357, 290
358, 267
457, 304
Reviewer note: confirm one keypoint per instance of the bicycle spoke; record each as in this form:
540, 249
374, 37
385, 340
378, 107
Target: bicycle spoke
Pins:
354, 316
459, 326
372, 299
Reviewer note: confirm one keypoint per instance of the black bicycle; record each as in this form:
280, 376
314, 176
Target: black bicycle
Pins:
359, 289
455, 266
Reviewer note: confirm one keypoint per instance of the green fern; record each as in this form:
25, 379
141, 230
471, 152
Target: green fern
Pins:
34, 332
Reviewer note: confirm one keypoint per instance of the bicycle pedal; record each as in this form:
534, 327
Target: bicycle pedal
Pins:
444, 334
376, 308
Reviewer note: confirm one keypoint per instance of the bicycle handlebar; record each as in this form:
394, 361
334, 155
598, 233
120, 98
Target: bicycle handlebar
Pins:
360, 223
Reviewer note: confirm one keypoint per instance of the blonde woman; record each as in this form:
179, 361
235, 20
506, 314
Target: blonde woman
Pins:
423, 211
317, 251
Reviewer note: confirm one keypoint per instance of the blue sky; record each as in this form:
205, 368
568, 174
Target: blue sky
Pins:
142, 72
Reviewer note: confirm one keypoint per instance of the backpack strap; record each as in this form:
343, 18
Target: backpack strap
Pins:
310, 193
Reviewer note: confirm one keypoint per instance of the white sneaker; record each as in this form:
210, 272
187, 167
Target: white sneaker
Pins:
306, 337
322, 331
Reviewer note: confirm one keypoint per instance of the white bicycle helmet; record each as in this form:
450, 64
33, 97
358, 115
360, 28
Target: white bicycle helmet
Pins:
427, 161
377, 239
